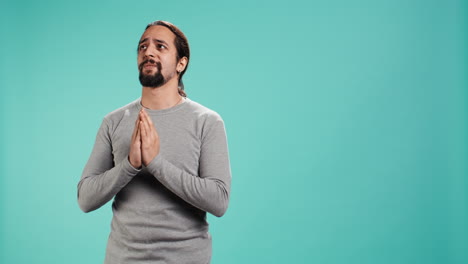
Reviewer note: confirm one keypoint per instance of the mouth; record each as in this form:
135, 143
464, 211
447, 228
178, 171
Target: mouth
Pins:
150, 65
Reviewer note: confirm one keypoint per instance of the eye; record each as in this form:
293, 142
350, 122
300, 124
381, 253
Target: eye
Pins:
142, 47
161, 46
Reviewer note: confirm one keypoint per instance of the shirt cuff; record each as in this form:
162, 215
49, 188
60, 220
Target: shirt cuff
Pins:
155, 165
128, 168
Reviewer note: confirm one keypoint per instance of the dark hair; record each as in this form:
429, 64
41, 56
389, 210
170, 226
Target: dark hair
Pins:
182, 46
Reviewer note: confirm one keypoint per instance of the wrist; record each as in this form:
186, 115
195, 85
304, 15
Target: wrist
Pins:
133, 165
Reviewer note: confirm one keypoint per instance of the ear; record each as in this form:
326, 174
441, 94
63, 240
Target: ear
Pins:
181, 64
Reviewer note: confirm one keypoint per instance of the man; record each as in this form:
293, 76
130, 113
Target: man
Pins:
165, 159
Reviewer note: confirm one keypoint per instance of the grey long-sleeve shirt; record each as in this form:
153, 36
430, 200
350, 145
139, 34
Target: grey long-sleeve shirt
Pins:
159, 211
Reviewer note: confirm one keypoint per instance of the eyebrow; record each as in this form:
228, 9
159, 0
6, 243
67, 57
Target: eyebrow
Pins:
157, 40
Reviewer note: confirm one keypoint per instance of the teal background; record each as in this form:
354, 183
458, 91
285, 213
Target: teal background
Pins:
347, 124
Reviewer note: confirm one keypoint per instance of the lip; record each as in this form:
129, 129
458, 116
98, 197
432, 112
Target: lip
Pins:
149, 66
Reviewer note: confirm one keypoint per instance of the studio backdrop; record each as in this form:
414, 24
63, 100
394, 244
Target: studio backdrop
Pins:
347, 124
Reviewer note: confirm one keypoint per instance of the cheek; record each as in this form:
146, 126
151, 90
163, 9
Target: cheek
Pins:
139, 61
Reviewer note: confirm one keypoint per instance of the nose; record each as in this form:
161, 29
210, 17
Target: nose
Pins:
150, 52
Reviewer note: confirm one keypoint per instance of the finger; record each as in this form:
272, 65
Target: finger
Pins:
135, 129
147, 126
151, 127
148, 118
143, 129
142, 117
137, 136
138, 129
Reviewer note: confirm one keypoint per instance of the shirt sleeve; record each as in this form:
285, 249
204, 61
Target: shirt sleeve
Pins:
208, 191
101, 180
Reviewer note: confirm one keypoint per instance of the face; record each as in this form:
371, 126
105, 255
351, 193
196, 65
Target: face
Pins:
157, 57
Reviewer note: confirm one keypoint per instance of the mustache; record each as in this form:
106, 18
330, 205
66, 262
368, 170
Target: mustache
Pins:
150, 61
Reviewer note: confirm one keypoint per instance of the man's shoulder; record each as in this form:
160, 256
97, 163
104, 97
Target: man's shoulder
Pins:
202, 112
120, 112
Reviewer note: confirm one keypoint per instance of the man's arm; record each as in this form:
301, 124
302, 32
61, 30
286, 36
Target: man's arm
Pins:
208, 191
101, 180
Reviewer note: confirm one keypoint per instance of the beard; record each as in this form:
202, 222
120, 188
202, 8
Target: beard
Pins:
151, 80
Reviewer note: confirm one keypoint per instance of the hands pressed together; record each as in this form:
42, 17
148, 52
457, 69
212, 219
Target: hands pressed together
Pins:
144, 146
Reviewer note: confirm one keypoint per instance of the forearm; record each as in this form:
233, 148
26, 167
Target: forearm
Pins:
210, 193
96, 189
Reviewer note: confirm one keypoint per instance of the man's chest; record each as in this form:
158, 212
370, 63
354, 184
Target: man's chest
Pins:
179, 141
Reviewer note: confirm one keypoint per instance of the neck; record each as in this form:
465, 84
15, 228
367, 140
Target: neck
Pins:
162, 97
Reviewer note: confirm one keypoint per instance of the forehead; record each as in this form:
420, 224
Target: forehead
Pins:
160, 33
